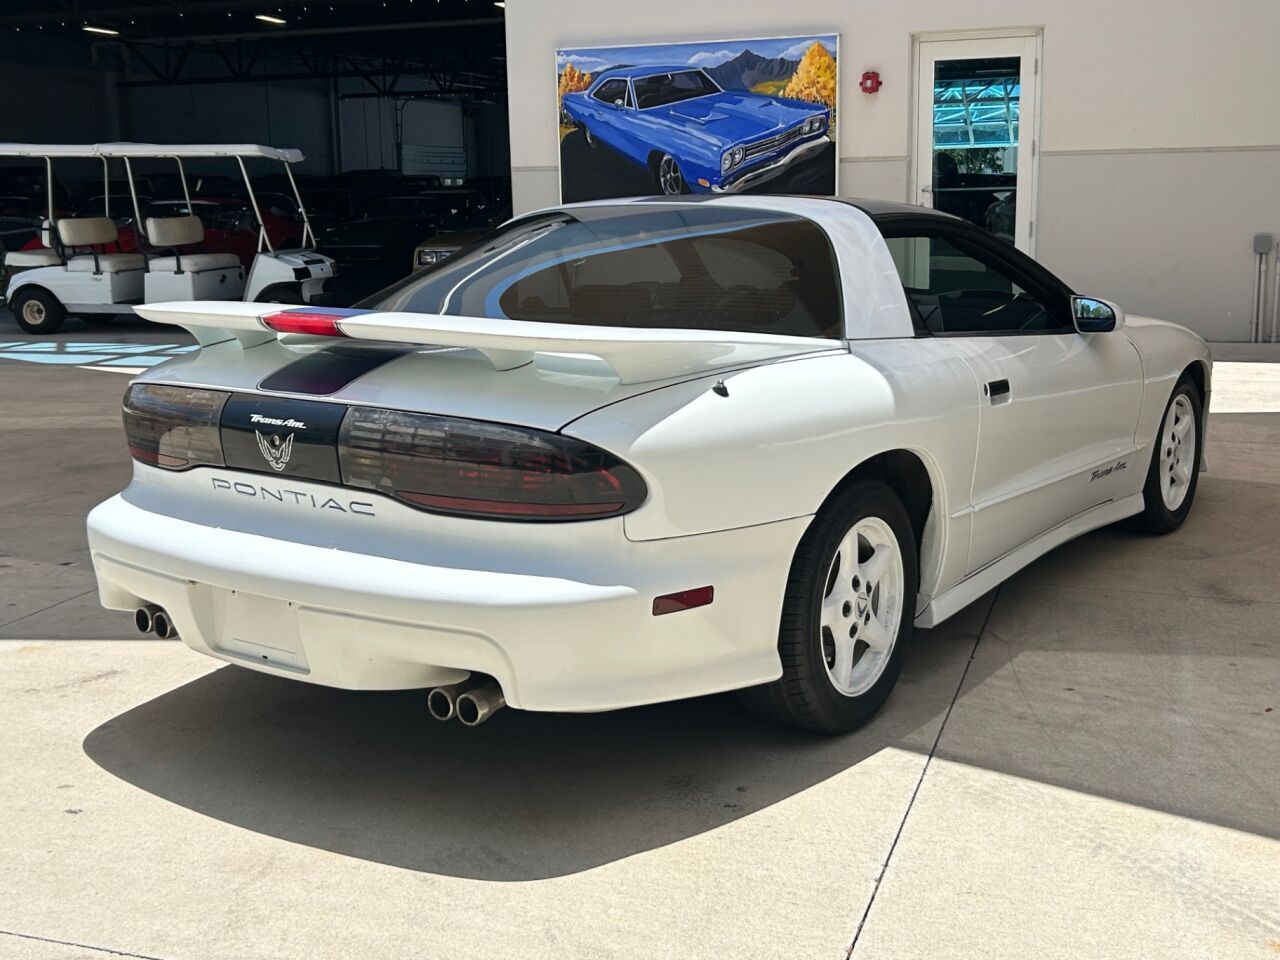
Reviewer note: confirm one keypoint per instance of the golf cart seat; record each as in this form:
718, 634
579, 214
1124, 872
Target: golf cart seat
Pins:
95, 232
174, 232
42, 256
189, 276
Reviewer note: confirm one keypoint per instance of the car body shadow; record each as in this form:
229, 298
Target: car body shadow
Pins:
525, 796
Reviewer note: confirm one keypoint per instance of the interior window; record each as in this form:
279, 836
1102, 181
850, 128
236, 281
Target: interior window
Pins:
959, 289
612, 91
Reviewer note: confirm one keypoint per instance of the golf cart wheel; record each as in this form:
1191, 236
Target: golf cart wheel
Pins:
670, 180
38, 311
281, 293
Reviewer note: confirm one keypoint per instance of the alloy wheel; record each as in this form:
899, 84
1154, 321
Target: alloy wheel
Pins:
1177, 452
669, 176
862, 606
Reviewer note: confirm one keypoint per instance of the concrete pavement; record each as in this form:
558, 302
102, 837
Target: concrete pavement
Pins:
1082, 765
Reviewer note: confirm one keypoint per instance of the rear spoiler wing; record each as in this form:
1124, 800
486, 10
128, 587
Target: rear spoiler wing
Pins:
635, 354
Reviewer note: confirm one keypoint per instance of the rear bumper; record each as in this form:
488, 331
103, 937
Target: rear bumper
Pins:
579, 642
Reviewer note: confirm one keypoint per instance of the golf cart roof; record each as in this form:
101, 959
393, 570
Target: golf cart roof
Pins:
288, 155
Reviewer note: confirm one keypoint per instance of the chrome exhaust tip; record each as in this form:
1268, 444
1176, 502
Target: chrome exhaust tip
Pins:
163, 626
442, 702
144, 617
476, 706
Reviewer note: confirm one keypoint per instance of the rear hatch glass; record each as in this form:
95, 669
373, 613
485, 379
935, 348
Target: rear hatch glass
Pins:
679, 266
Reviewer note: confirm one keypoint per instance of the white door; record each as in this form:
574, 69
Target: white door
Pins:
1058, 410
977, 103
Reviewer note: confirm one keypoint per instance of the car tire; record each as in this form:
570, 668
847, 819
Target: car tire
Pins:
825, 685
1174, 471
38, 311
670, 178
592, 142
281, 293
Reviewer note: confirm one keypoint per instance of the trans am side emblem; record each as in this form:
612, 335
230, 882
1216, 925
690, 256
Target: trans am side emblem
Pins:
276, 451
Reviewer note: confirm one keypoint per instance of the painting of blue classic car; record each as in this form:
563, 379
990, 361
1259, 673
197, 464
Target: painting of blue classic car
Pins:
708, 120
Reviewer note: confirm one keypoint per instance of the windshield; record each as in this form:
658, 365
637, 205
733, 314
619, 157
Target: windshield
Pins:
683, 266
672, 88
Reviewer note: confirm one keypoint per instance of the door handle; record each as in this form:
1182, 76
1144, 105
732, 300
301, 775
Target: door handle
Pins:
997, 391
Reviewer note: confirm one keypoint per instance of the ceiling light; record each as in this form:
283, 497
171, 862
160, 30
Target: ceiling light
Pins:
269, 18
106, 31
500, 3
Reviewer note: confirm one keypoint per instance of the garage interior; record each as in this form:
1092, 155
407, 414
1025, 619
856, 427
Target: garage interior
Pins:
386, 101
1080, 765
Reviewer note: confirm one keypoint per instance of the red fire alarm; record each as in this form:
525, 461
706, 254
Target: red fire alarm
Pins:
870, 82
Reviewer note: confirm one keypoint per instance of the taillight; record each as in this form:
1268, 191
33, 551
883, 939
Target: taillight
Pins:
477, 469
313, 321
174, 427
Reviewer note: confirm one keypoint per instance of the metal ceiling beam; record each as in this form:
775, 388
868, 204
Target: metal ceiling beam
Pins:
73, 11
284, 33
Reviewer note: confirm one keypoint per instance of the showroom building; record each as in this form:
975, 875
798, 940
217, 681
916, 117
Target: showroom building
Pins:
1134, 148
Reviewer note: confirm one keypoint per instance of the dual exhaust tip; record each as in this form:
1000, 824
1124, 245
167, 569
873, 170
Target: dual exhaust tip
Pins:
149, 618
472, 702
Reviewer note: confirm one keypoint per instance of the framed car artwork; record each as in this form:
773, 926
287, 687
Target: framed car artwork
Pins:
722, 116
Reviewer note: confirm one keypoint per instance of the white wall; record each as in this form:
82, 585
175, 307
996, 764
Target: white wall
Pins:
1160, 140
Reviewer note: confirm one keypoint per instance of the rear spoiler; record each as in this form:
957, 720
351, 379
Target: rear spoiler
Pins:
635, 354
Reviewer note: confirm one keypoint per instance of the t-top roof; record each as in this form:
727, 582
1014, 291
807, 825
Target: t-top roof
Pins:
286, 154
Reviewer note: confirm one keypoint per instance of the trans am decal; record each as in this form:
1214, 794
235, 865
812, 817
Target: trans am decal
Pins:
725, 116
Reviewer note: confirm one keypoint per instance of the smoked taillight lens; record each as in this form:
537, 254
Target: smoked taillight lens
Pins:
476, 469
174, 427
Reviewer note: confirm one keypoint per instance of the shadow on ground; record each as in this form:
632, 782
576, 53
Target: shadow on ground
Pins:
526, 796
1097, 673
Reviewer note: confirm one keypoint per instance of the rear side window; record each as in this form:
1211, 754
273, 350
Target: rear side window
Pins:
676, 267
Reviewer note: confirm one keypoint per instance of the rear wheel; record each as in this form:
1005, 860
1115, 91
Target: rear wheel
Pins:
38, 311
847, 614
1175, 462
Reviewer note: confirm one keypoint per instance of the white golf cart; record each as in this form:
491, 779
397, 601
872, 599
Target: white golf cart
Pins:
71, 273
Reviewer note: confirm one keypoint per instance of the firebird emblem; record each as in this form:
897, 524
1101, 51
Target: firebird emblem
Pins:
275, 450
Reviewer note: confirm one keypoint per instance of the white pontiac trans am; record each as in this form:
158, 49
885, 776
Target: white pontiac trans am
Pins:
630, 451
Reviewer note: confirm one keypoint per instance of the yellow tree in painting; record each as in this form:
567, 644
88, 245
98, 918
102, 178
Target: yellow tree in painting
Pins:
815, 78
573, 80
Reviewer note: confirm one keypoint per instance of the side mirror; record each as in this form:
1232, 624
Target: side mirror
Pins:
618, 102
1092, 315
